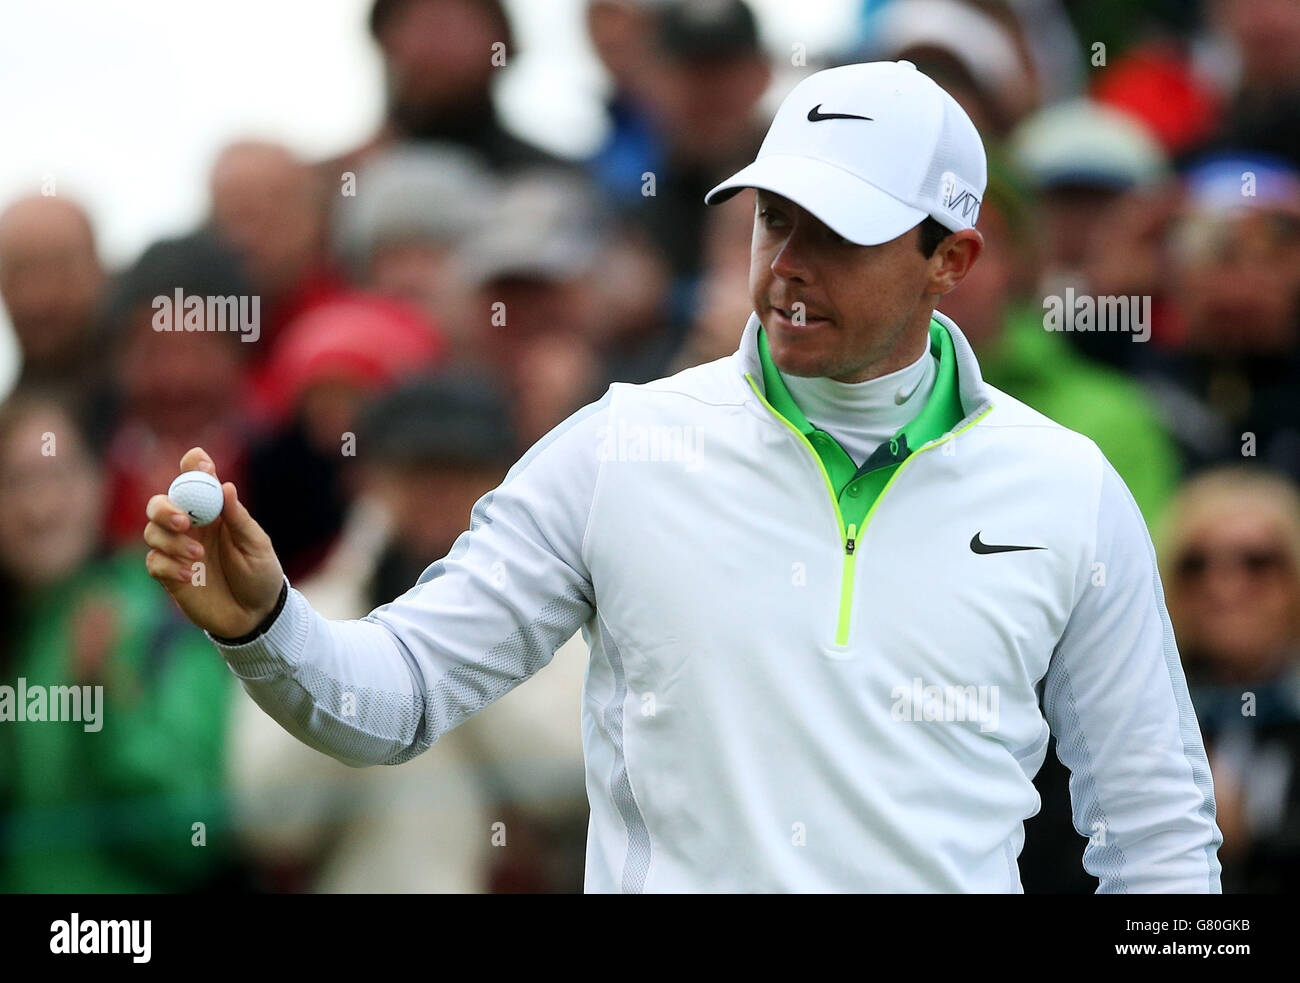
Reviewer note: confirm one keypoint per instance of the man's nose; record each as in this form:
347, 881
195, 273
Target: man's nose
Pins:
791, 262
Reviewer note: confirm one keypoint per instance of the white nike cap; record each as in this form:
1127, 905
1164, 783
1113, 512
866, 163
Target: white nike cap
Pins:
870, 150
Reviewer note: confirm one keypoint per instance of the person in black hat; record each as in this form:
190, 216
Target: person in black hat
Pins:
710, 73
426, 452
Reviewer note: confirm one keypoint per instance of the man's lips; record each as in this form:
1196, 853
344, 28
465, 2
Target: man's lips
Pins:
785, 317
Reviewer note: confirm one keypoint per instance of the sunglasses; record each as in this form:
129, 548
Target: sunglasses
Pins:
1256, 562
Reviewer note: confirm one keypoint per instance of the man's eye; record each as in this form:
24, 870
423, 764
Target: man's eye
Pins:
769, 217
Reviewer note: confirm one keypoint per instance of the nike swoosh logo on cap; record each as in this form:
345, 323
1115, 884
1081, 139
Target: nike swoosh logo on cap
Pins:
981, 547
815, 115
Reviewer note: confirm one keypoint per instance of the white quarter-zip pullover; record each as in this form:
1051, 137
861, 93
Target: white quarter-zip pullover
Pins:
787, 691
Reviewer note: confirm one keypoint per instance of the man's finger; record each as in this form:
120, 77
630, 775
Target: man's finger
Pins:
174, 544
164, 568
196, 459
161, 510
243, 529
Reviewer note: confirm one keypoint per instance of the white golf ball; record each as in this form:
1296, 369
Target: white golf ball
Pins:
198, 494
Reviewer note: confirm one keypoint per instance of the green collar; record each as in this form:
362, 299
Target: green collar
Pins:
942, 412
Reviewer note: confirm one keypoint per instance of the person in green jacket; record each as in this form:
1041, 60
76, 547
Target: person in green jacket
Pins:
128, 797
997, 309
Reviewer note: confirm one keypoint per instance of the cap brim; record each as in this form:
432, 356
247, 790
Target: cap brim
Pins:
858, 211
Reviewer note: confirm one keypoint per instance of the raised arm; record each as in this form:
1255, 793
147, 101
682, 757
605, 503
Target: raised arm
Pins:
478, 622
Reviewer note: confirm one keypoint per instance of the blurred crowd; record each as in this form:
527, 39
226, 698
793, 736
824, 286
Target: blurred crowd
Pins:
430, 303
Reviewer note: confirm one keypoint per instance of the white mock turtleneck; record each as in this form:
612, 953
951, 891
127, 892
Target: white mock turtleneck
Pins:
862, 415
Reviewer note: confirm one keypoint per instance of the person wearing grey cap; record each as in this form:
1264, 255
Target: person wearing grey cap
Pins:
838, 590
530, 269
417, 204
1090, 163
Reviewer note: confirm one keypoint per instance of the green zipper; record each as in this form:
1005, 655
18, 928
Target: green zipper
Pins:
846, 585
853, 533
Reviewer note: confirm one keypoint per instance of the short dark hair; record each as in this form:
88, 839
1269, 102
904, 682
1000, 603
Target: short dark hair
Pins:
384, 11
932, 233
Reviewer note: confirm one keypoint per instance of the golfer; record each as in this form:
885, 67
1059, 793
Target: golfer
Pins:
837, 590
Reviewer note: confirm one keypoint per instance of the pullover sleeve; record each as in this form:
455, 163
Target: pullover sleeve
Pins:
486, 617
1116, 699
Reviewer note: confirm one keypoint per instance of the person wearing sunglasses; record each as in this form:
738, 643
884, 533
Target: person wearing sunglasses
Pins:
1231, 559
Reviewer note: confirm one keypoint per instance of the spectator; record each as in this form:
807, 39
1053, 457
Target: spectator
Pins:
1263, 109
52, 285
723, 302
622, 33
1051, 45
1230, 556
533, 267
978, 55
176, 388
325, 367
638, 333
128, 798
440, 57
710, 71
1085, 160
416, 204
1160, 85
1233, 388
267, 207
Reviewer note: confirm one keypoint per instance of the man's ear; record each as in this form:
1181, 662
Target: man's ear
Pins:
953, 259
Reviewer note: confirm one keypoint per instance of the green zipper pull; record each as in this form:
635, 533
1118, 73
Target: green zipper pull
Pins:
893, 447
850, 541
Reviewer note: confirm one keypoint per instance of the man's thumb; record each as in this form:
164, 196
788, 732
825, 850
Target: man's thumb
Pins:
197, 459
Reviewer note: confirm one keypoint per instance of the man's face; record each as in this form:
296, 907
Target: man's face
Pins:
706, 106
429, 503
177, 382
1235, 589
50, 280
865, 308
53, 504
437, 52
1239, 282
266, 205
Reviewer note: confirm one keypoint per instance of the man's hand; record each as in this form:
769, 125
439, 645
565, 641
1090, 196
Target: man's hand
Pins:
242, 577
